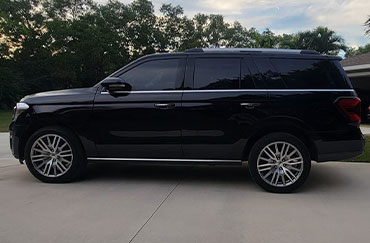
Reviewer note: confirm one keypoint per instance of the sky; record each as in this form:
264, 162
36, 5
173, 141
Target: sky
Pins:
346, 17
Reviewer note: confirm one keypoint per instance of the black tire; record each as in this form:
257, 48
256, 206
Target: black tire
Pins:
281, 187
78, 165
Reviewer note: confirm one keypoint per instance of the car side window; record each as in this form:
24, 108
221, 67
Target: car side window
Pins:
272, 79
217, 73
309, 74
153, 75
247, 70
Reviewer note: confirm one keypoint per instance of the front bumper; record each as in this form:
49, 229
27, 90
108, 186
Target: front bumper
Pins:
14, 141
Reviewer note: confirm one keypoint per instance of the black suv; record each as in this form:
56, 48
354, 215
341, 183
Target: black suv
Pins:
275, 109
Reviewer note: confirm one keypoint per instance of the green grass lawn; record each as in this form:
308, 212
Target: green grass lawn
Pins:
365, 157
5, 118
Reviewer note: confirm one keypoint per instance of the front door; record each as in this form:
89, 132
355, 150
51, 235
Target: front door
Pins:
142, 123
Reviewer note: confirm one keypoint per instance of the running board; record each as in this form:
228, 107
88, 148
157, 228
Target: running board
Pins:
165, 161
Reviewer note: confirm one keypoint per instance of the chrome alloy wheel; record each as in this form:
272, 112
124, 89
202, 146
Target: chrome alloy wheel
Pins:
280, 164
51, 155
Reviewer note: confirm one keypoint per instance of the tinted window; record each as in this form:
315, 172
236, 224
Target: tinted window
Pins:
153, 75
309, 74
246, 81
268, 74
217, 73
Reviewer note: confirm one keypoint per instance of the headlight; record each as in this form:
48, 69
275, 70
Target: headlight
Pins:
19, 108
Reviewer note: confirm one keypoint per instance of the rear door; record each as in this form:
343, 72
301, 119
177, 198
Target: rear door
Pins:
219, 106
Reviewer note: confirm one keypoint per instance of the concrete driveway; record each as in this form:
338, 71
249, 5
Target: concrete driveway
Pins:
121, 203
365, 129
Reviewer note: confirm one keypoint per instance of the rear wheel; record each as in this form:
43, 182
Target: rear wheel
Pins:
54, 155
279, 162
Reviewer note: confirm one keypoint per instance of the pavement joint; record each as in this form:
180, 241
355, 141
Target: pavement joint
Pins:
6, 166
158, 207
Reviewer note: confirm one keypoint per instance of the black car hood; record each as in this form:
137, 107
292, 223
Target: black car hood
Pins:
66, 96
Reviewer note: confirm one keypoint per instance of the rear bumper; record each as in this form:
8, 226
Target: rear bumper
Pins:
339, 150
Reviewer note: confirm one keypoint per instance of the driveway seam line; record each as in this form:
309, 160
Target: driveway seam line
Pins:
151, 216
8, 166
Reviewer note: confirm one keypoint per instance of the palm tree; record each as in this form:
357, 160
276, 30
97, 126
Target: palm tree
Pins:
327, 41
321, 39
367, 26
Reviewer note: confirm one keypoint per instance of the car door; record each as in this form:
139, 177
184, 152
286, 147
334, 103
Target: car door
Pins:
142, 123
220, 107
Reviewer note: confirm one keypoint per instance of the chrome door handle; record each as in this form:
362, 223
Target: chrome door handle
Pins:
164, 106
250, 106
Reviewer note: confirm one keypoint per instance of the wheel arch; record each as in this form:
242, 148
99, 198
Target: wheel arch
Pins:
42, 121
280, 124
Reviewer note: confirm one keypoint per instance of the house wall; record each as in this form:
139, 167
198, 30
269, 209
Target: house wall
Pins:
362, 87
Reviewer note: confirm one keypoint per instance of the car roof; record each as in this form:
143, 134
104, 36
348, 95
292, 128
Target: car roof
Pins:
270, 52
228, 52
252, 50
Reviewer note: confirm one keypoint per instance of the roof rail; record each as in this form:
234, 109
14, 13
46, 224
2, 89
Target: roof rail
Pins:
254, 50
194, 50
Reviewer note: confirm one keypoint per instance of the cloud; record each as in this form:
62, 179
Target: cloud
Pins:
346, 17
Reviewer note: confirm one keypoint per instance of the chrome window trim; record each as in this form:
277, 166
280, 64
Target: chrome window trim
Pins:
144, 92
228, 90
163, 160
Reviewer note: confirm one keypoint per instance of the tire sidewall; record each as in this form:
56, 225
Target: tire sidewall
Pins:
274, 137
78, 162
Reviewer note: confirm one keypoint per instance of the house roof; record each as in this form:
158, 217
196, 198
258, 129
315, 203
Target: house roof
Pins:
356, 60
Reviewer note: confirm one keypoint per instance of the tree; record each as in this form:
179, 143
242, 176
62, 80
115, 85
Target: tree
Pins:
321, 39
86, 48
56, 44
360, 50
289, 41
367, 26
68, 9
143, 32
10, 84
327, 41
22, 27
176, 30
239, 36
267, 39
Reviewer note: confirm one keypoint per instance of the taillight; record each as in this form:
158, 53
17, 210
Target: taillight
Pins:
351, 107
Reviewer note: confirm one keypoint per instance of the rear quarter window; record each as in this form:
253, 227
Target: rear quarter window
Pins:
310, 74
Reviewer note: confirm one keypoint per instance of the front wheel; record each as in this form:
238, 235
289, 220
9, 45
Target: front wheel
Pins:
54, 155
279, 162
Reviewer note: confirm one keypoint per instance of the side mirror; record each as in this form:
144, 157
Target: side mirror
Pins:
115, 84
